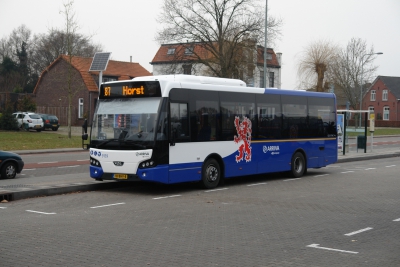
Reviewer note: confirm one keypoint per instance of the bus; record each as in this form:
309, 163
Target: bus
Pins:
184, 128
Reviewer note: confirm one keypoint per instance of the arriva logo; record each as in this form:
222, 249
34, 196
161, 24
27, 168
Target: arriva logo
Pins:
142, 154
271, 149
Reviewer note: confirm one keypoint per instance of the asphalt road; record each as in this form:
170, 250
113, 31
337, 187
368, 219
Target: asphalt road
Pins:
343, 215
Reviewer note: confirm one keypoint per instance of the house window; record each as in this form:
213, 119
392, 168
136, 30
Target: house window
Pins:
271, 80
188, 50
109, 79
386, 113
187, 69
269, 56
370, 110
373, 95
384, 95
171, 51
80, 109
262, 79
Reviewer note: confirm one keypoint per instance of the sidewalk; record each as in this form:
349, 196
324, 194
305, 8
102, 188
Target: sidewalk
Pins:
11, 189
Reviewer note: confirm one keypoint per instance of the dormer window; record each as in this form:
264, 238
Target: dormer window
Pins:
171, 51
189, 50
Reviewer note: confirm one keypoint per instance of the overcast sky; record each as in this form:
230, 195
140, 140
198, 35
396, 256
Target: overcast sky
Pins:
127, 27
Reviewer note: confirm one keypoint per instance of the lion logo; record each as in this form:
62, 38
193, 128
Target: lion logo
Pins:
243, 138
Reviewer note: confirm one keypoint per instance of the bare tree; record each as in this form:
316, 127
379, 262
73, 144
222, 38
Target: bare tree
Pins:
314, 62
346, 70
221, 27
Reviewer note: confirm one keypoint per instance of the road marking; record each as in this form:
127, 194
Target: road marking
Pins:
3, 207
29, 169
289, 180
256, 184
46, 213
390, 166
359, 231
397, 220
47, 162
331, 249
107, 205
73, 166
166, 197
216, 190
367, 169
321, 175
82, 160
347, 172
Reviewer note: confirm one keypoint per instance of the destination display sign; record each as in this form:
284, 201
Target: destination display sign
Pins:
130, 90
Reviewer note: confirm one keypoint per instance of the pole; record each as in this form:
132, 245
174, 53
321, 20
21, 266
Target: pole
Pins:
265, 46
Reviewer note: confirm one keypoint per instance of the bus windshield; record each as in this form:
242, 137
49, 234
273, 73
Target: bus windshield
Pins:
125, 123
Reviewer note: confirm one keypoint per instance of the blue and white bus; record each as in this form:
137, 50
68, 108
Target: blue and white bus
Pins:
184, 128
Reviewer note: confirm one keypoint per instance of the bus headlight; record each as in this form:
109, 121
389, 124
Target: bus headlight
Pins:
147, 164
94, 162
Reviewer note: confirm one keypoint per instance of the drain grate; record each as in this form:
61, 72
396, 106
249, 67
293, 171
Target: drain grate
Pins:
15, 186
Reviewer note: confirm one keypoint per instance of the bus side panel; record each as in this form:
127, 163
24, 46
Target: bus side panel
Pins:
271, 156
185, 172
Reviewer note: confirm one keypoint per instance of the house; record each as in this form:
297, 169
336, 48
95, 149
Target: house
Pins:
52, 90
180, 59
383, 98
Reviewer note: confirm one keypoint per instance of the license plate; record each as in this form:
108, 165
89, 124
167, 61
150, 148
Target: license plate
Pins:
37, 126
120, 176
54, 125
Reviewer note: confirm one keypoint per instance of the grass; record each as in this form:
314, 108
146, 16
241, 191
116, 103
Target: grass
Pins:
11, 141
22, 140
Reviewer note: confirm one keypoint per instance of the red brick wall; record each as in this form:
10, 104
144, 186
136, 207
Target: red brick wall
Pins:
379, 104
54, 86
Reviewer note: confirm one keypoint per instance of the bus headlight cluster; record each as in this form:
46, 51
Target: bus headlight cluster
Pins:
94, 162
147, 164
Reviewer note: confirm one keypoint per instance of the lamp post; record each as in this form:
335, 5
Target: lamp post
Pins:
265, 46
361, 83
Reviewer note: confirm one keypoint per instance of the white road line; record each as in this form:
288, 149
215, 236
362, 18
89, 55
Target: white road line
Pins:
73, 166
359, 231
107, 205
47, 162
390, 166
321, 175
397, 220
331, 249
347, 172
367, 169
3, 207
289, 180
82, 160
29, 169
256, 184
166, 197
216, 190
46, 213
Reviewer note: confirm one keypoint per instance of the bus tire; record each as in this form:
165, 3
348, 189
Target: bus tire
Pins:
211, 174
298, 165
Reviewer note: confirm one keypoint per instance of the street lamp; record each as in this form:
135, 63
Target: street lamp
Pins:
361, 83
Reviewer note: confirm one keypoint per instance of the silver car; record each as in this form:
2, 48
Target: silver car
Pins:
29, 121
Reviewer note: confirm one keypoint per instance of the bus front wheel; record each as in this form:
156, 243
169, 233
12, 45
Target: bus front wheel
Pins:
298, 165
211, 174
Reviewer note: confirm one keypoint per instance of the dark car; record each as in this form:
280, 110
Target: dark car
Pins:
10, 164
50, 122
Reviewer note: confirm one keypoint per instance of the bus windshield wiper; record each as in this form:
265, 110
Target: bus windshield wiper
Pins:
131, 142
106, 142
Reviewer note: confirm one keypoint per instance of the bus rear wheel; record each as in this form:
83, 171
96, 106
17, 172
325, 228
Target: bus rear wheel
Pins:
298, 165
211, 174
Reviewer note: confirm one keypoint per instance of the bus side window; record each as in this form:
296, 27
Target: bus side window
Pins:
180, 121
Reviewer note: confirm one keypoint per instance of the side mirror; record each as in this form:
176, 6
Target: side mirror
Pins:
85, 136
84, 127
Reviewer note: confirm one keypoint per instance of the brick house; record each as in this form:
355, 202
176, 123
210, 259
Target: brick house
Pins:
383, 98
51, 90
180, 59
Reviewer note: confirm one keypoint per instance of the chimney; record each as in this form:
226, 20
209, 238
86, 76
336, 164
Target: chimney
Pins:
279, 58
131, 59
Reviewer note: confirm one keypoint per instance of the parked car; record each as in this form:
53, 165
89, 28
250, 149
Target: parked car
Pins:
49, 121
29, 121
10, 164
